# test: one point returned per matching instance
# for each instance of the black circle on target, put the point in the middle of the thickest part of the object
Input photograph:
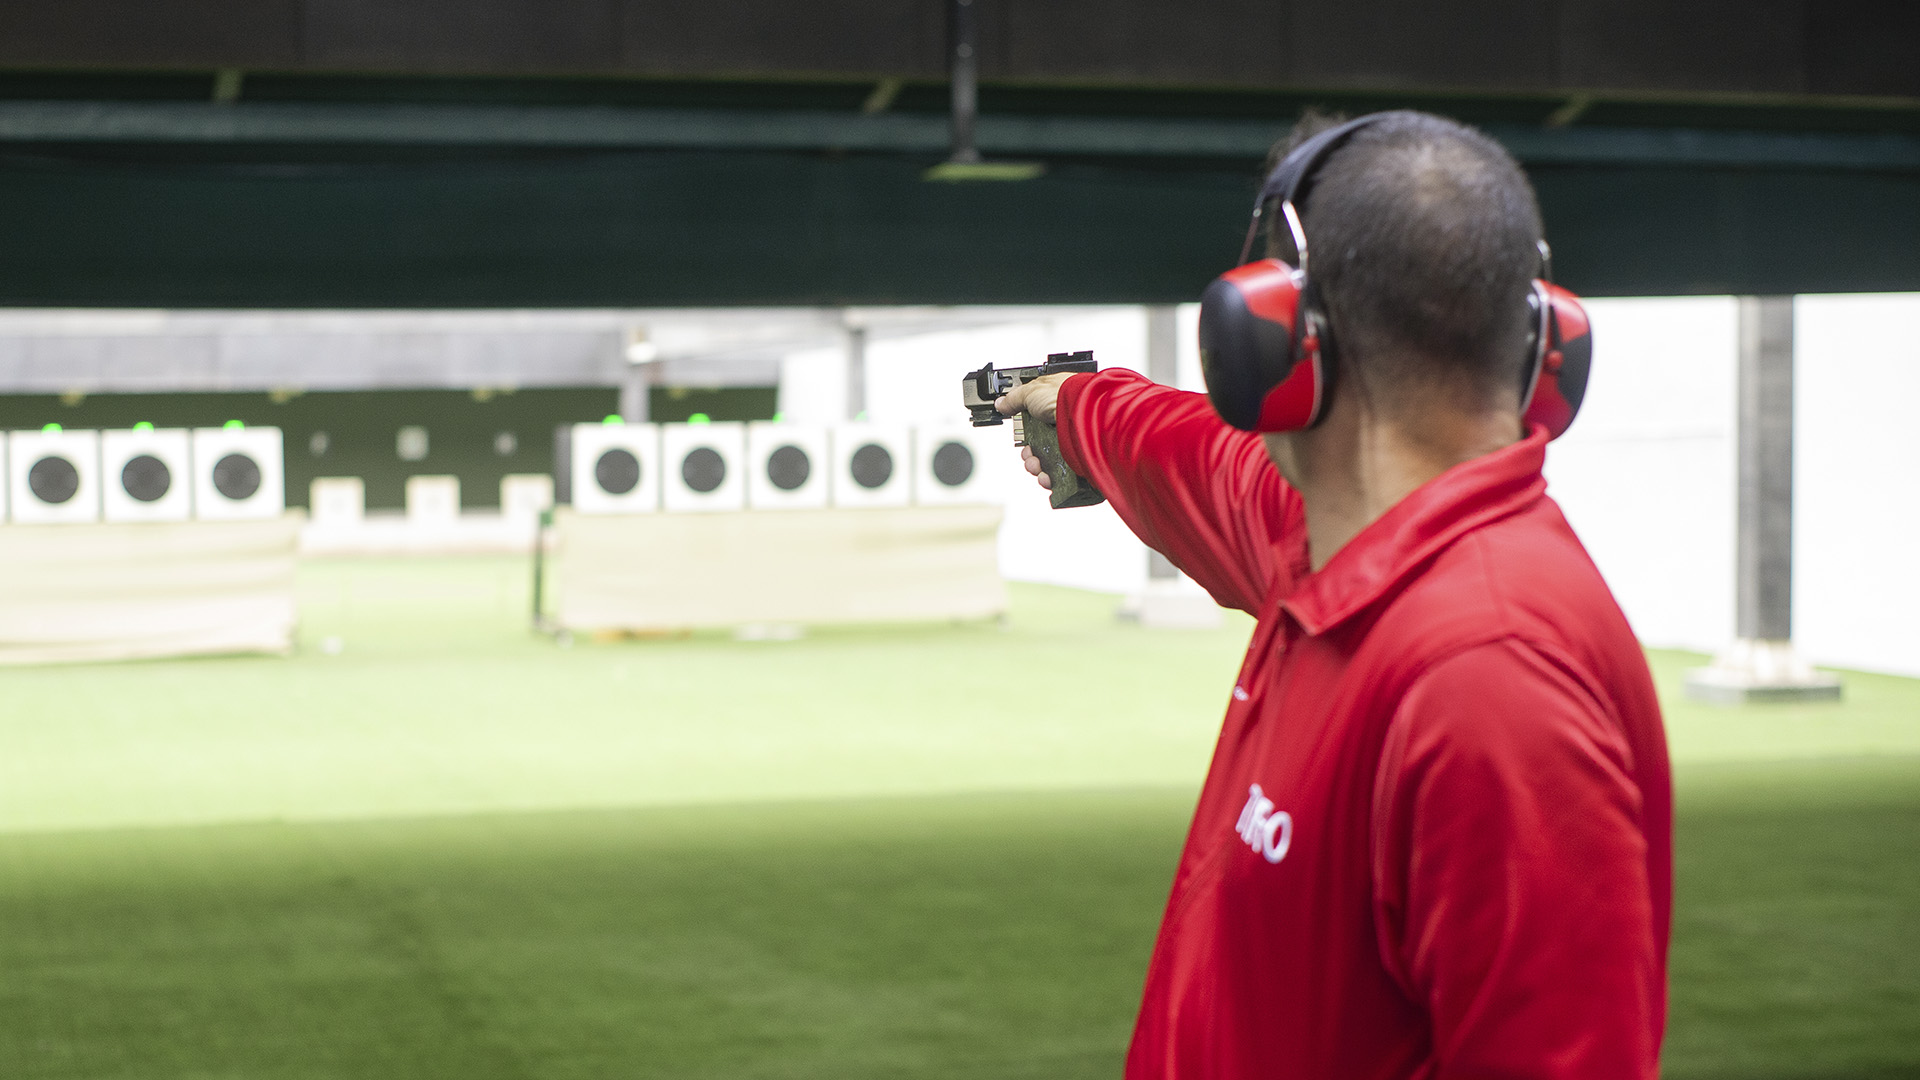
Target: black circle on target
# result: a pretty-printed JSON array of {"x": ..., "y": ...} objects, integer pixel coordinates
[
  {"x": 871, "y": 466},
  {"x": 617, "y": 471},
  {"x": 953, "y": 464},
  {"x": 236, "y": 476},
  {"x": 788, "y": 467},
  {"x": 53, "y": 480},
  {"x": 703, "y": 469},
  {"x": 146, "y": 478}
]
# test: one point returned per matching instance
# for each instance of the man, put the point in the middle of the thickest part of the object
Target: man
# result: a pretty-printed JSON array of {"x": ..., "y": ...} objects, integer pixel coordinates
[{"x": 1434, "y": 841}]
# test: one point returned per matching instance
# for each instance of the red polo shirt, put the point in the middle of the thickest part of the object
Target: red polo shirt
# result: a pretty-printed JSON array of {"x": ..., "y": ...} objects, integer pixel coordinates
[{"x": 1435, "y": 840}]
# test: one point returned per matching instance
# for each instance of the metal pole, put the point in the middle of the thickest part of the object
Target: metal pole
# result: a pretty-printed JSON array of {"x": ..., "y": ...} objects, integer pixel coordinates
[
  {"x": 563, "y": 464},
  {"x": 963, "y": 27},
  {"x": 540, "y": 569}
]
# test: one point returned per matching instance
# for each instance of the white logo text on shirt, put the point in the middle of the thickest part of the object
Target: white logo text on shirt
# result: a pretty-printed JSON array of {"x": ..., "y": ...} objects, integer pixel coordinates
[{"x": 1267, "y": 831}]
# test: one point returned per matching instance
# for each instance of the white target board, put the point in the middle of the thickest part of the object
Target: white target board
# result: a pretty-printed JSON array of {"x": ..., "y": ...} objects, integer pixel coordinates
[
  {"x": 337, "y": 501},
  {"x": 53, "y": 476},
  {"x": 704, "y": 466},
  {"x": 872, "y": 465},
  {"x": 146, "y": 474},
  {"x": 238, "y": 474},
  {"x": 788, "y": 466},
  {"x": 616, "y": 468},
  {"x": 950, "y": 464}
]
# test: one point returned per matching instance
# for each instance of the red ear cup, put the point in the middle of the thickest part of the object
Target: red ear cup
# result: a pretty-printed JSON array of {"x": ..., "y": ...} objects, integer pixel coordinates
[
  {"x": 1563, "y": 358},
  {"x": 1264, "y": 371}
]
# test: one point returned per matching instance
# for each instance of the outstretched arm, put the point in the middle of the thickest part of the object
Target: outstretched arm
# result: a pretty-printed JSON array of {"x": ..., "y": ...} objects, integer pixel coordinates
[{"x": 1194, "y": 489}]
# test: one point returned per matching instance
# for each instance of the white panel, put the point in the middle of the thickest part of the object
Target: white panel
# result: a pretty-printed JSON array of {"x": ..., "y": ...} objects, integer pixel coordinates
[
  {"x": 337, "y": 500},
  {"x": 1646, "y": 474},
  {"x": 789, "y": 466},
  {"x": 4, "y": 484},
  {"x": 433, "y": 500},
  {"x": 813, "y": 385},
  {"x": 605, "y": 459},
  {"x": 1856, "y": 482},
  {"x": 873, "y": 464},
  {"x": 949, "y": 465},
  {"x": 238, "y": 473},
  {"x": 146, "y": 475},
  {"x": 523, "y": 496},
  {"x": 68, "y": 470},
  {"x": 713, "y": 457}
]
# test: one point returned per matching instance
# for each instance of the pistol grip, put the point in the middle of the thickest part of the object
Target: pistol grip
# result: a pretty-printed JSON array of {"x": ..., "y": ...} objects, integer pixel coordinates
[{"x": 1069, "y": 488}]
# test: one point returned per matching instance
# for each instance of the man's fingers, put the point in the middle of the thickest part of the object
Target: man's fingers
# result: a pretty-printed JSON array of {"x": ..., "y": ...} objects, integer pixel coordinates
[
  {"x": 1032, "y": 462},
  {"x": 1013, "y": 400},
  {"x": 1037, "y": 397}
]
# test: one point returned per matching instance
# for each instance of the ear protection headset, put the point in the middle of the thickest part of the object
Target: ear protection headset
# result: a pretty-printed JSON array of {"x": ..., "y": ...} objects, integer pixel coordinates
[{"x": 1267, "y": 349}]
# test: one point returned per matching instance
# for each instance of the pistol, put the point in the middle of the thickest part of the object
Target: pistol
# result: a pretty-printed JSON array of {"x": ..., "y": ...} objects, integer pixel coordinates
[{"x": 981, "y": 389}]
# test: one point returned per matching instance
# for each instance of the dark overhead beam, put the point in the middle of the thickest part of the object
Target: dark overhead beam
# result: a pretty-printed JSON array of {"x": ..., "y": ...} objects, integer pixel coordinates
[
  {"x": 645, "y": 228},
  {"x": 1697, "y": 46},
  {"x": 39, "y": 122}
]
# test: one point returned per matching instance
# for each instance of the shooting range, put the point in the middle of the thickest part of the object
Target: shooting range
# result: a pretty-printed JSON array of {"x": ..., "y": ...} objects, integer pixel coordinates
[{"x": 496, "y": 577}]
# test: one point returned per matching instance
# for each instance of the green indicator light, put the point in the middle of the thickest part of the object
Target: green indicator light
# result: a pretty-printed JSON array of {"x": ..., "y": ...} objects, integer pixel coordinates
[
  {"x": 699, "y": 418},
  {"x": 143, "y": 426},
  {"x": 233, "y": 425},
  {"x": 613, "y": 420},
  {"x": 51, "y": 429},
  {"x": 779, "y": 418},
  {"x": 862, "y": 415}
]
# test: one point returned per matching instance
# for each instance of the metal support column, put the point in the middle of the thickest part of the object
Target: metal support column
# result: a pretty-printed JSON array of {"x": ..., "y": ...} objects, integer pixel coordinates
[
  {"x": 634, "y": 393},
  {"x": 1763, "y": 543},
  {"x": 1163, "y": 367},
  {"x": 1762, "y": 665},
  {"x": 856, "y": 372}
]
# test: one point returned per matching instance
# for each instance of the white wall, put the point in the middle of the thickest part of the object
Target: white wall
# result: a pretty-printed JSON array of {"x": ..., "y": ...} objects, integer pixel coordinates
[
  {"x": 917, "y": 380},
  {"x": 1646, "y": 473},
  {"x": 1646, "y": 476},
  {"x": 1856, "y": 525}
]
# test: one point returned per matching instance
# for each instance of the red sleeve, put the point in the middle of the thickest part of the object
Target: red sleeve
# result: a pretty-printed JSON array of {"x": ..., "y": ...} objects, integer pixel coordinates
[
  {"x": 1195, "y": 490},
  {"x": 1510, "y": 873}
]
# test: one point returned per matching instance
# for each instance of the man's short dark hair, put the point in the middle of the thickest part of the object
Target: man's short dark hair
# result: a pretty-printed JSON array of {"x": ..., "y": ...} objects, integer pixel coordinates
[{"x": 1422, "y": 244}]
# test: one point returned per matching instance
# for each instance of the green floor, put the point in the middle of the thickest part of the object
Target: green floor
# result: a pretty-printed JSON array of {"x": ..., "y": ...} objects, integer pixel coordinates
[{"x": 456, "y": 850}]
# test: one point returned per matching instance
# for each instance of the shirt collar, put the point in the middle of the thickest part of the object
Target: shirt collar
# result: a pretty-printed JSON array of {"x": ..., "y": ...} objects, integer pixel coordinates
[{"x": 1465, "y": 497}]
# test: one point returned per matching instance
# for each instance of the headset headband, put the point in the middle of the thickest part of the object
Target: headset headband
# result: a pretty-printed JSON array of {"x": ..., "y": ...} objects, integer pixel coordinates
[{"x": 1289, "y": 179}]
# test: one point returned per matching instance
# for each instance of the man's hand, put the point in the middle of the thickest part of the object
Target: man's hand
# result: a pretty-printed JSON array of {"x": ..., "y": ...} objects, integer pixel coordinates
[{"x": 1040, "y": 398}]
